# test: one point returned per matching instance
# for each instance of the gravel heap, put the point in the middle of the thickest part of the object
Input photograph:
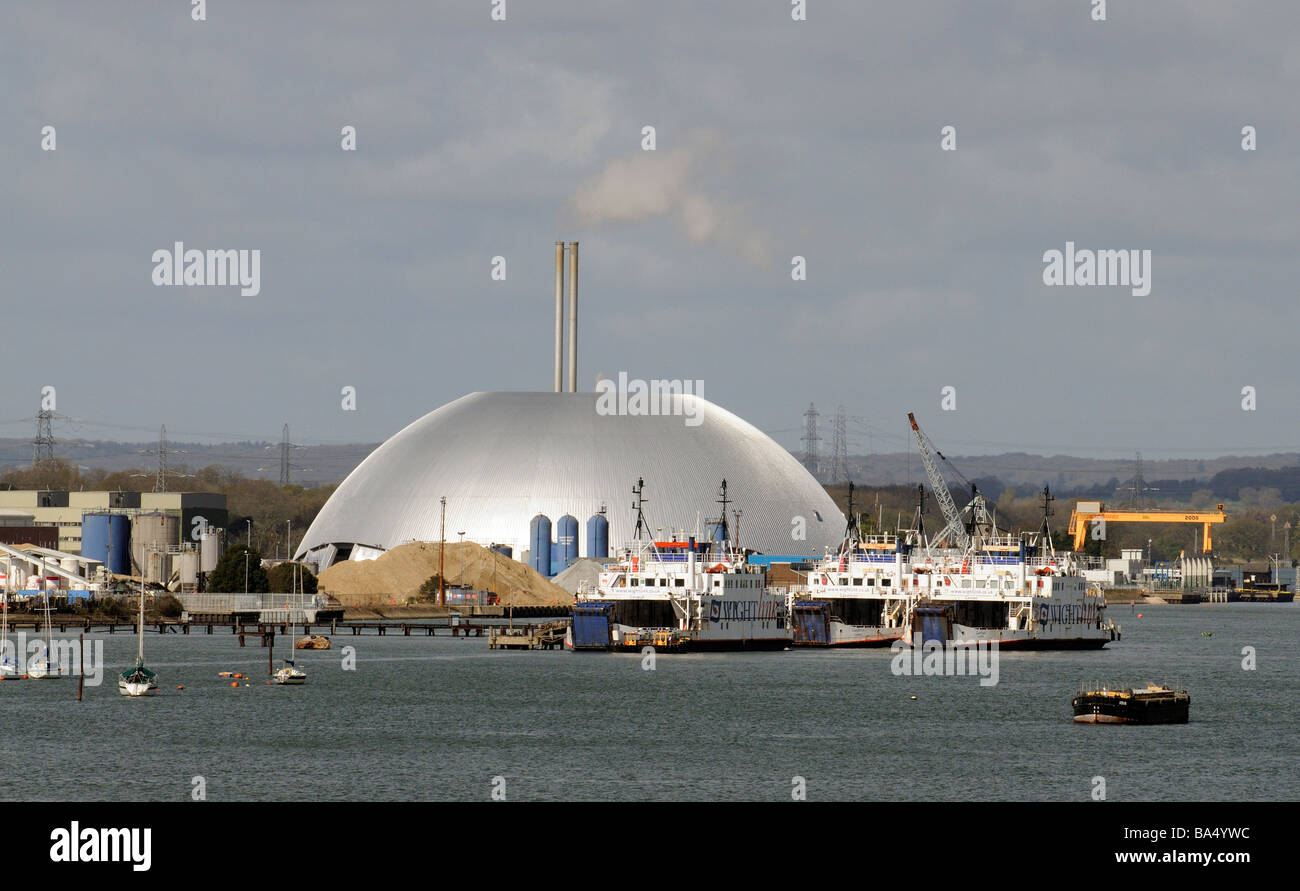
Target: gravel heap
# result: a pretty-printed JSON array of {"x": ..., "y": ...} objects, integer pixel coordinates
[{"x": 397, "y": 575}]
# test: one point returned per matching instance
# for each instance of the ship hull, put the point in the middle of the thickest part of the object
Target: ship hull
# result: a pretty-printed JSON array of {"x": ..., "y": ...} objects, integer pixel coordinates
[
  {"x": 1091, "y": 708},
  {"x": 841, "y": 634}
]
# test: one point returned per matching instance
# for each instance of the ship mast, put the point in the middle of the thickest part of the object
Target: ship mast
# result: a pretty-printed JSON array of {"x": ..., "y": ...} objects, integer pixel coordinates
[
  {"x": 639, "y": 491},
  {"x": 724, "y": 501}
]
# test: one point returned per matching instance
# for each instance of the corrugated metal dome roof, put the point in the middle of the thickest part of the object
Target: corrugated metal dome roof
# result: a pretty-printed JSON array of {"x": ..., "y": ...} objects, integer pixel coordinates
[{"x": 502, "y": 458}]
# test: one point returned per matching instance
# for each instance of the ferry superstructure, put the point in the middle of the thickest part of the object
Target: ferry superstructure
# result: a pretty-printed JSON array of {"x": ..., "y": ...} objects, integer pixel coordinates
[{"x": 678, "y": 595}]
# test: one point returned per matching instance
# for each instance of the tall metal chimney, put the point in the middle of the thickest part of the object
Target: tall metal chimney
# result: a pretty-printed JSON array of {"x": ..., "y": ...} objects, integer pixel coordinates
[
  {"x": 573, "y": 317},
  {"x": 559, "y": 315}
]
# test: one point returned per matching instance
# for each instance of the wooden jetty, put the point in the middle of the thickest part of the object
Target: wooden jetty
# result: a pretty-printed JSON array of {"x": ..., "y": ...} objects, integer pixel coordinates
[{"x": 535, "y": 637}]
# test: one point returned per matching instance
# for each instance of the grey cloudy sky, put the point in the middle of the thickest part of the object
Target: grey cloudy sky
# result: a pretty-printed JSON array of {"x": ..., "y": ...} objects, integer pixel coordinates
[{"x": 775, "y": 138}]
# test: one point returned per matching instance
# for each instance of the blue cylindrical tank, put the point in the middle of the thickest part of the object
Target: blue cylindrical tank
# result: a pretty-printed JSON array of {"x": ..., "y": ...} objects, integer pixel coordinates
[
  {"x": 539, "y": 543},
  {"x": 566, "y": 540},
  {"x": 504, "y": 549},
  {"x": 107, "y": 538},
  {"x": 598, "y": 537}
]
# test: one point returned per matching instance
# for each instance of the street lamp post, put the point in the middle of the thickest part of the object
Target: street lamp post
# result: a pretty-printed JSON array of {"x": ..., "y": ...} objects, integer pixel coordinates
[{"x": 460, "y": 568}]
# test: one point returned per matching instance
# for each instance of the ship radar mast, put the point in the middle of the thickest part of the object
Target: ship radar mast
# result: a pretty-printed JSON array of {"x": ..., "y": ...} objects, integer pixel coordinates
[
  {"x": 724, "y": 501},
  {"x": 852, "y": 529},
  {"x": 639, "y": 491},
  {"x": 1046, "y": 546}
]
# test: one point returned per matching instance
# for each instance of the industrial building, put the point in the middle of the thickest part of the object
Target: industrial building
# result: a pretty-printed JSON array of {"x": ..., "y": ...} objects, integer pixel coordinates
[
  {"x": 514, "y": 467},
  {"x": 503, "y": 459},
  {"x": 154, "y": 534}
]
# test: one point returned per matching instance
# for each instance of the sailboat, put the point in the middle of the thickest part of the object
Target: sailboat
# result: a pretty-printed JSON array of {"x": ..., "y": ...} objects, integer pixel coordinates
[
  {"x": 8, "y": 664},
  {"x": 44, "y": 667},
  {"x": 138, "y": 681},
  {"x": 290, "y": 673}
]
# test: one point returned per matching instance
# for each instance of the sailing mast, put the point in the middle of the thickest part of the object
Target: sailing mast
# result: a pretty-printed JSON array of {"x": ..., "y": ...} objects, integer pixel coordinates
[{"x": 139, "y": 636}]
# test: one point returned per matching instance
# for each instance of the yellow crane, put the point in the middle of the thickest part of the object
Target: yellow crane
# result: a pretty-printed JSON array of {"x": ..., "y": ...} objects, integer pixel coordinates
[{"x": 1086, "y": 512}]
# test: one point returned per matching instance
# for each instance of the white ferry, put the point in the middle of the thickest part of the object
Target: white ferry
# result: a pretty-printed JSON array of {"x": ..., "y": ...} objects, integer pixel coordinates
[
  {"x": 1004, "y": 593},
  {"x": 680, "y": 595},
  {"x": 884, "y": 589},
  {"x": 856, "y": 598}
]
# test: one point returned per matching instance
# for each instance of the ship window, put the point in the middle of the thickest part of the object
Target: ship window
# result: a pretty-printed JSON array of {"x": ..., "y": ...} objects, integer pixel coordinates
[
  {"x": 884, "y": 582},
  {"x": 871, "y": 583},
  {"x": 857, "y": 581},
  {"x": 679, "y": 583},
  {"x": 844, "y": 580},
  {"x": 635, "y": 582},
  {"x": 717, "y": 583},
  {"x": 663, "y": 583},
  {"x": 965, "y": 583}
]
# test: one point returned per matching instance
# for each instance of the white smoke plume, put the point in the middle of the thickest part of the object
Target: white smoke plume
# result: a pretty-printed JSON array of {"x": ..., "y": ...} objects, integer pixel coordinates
[{"x": 675, "y": 184}]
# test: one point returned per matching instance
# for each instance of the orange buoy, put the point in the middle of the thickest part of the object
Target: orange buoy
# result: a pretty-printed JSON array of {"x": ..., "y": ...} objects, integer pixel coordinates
[
  {"x": 234, "y": 683},
  {"x": 1139, "y": 615},
  {"x": 179, "y": 687}
]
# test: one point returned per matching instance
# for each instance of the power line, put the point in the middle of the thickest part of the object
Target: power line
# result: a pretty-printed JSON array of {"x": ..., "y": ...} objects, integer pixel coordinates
[
  {"x": 43, "y": 444},
  {"x": 284, "y": 457},
  {"x": 160, "y": 484},
  {"x": 810, "y": 439}
]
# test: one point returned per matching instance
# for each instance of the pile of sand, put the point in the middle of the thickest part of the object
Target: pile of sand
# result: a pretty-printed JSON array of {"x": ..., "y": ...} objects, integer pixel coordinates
[
  {"x": 579, "y": 571},
  {"x": 398, "y": 574}
]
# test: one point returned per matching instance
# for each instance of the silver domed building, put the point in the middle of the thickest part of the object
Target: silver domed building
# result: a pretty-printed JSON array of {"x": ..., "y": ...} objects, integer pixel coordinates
[{"x": 501, "y": 459}]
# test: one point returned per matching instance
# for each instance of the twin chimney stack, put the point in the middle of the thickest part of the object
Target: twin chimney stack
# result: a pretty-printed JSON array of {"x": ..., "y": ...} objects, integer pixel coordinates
[{"x": 572, "y": 248}]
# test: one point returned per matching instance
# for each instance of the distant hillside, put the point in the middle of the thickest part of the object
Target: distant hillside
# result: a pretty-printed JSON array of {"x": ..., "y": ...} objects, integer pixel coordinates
[
  {"x": 1107, "y": 479},
  {"x": 309, "y": 465},
  {"x": 1064, "y": 473}
]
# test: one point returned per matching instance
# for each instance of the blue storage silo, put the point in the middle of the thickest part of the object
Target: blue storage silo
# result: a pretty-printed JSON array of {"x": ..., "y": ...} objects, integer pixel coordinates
[
  {"x": 539, "y": 543},
  {"x": 566, "y": 541},
  {"x": 107, "y": 538},
  {"x": 598, "y": 537},
  {"x": 503, "y": 549}
]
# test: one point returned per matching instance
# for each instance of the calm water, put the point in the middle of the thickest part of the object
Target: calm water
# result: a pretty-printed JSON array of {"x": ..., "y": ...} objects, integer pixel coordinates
[{"x": 438, "y": 718}]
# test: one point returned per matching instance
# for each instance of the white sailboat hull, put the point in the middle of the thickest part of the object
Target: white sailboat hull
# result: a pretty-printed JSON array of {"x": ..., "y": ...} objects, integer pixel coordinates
[
  {"x": 43, "y": 671},
  {"x": 131, "y": 689},
  {"x": 290, "y": 676}
]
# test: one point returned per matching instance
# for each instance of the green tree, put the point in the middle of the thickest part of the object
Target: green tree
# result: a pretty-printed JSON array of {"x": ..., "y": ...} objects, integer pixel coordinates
[
  {"x": 228, "y": 577},
  {"x": 280, "y": 579},
  {"x": 428, "y": 590}
]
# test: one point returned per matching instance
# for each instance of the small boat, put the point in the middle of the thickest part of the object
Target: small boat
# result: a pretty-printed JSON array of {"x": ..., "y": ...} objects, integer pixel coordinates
[
  {"x": 312, "y": 642},
  {"x": 138, "y": 680},
  {"x": 290, "y": 674},
  {"x": 44, "y": 667},
  {"x": 9, "y": 668},
  {"x": 1131, "y": 705}
]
